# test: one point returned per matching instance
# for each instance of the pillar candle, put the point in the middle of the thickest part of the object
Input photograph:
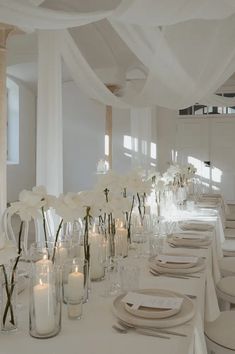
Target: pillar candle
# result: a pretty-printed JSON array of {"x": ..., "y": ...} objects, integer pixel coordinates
[
  {"x": 62, "y": 254},
  {"x": 75, "y": 286},
  {"x": 122, "y": 243},
  {"x": 96, "y": 256},
  {"x": 44, "y": 308}
]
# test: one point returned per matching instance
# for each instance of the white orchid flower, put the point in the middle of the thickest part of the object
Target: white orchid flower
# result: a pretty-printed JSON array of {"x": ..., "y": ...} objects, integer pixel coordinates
[
  {"x": 93, "y": 200},
  {"x": 110, "y": 181},
  {"x": 25, "y": 211},
  {"x": 41, "y": 192},
  {"x": 68, "y": 207}
]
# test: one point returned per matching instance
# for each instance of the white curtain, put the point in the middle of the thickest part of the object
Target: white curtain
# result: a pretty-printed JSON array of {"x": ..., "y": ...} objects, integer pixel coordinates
[{"x": 49, "y": 170}]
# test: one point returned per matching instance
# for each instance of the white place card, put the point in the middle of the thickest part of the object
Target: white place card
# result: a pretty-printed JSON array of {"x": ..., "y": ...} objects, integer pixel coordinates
[
  {"x": 137, "y": 300},
  {"x": 177, "y": 259}
]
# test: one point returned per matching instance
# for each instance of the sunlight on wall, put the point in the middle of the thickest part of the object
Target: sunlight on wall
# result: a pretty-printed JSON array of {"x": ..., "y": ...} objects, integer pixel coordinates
[
  {"x": 216, "y": 175},
  {"x": 130, "y": 143},
  {"x": 209, "y": 175},
  {"x": 153, "y": 151},
  {"x": 174, "y": 155},
  {"x": 140, "y": 149},
  {"x": 106, "y": 145}
]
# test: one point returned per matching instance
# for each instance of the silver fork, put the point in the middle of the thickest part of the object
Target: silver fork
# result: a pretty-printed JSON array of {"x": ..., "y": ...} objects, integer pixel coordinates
[
  {"x": 144, "y": 331},
  {"x": 168, "y": 275},
  {"x": 126, "y": 326}
]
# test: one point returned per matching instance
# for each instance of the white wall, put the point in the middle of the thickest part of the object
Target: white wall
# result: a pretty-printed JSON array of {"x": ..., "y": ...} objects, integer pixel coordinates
[
  {"x": 22, "y": 175},
  {"x": 83, "y": 134}
]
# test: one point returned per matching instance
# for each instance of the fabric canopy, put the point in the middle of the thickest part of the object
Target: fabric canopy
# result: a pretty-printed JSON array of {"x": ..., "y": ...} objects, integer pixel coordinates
[
  {"x": 25, "y": 13},
  {"x": 186, "y": 47},
  {"x": 168, "y": 12},
  {"x": 28, "y": 16}
]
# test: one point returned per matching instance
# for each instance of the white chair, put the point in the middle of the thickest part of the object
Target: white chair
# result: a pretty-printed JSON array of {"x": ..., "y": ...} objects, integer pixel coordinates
[
  {"x": 229, "y": 233},
  {"x": 230, "y": 224},
  {"x": 220, "y": 334},
  {"x": 28, "y": 235},
  {"x": 225, "y": 290},
  {"x": 9, "y": 230},
  {"x": 227, "y": 266},
  {"x": 228, "y": 247}
]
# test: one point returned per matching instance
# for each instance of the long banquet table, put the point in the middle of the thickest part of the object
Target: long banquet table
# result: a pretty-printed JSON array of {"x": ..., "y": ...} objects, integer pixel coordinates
[{"x": 93, "y": 334}]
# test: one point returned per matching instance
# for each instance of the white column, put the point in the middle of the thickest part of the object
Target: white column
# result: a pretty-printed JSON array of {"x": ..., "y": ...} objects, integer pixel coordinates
[
  {"x": 5, "y": 30},
  {"x": 49, "y": 170}
]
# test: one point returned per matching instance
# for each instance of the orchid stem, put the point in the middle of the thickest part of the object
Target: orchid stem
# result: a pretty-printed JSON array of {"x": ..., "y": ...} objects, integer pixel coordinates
[{"x": 56, "y": 239}]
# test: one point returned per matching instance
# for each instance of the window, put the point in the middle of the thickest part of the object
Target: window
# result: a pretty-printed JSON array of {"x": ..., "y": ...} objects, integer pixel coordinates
[{"x": 198, "y": 109}]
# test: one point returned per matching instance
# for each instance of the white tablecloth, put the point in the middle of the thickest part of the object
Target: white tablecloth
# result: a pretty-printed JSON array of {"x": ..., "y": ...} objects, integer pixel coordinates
[{"x": 94, "y": 334}]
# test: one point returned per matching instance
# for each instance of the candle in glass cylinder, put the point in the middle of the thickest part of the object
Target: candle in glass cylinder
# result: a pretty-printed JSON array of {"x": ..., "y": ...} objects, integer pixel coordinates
[
  {"x": 96, "y": 256},
  {"x": 122, "y": 243},
  {"x": 75, "y": 286},
  {"x": 44, "y": 264},
  {"x": 44, "y": 308},
  {"x": 62, "y": 254}
]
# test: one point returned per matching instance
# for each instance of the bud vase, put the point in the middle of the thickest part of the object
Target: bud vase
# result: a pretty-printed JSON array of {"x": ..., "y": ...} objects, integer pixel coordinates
[{"x": 9, "y": 296}]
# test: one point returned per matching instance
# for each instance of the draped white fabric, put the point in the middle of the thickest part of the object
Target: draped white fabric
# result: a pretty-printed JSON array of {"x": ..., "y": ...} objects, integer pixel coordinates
[
  {"x": 82, "y": 73},
  {"x": 187, "y": 47},
  {"x": 186, "y": 62},
  {"x": 49, "y": 115},
  {"x": 168, "y": 12},
  {"x": 27, "y": 16}
]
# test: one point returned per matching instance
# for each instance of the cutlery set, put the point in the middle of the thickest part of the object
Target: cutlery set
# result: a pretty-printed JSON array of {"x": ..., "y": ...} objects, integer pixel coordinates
[{"x": 123, "y": 328}]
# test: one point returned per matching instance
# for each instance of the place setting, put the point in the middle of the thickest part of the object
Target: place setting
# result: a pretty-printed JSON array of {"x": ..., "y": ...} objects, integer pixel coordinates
[
  {"x": 152, "y": 312},
  {"x": 176, "y": 266},
  {"x": 189, "y": 239},
  {"x": 195, "y": 225}
]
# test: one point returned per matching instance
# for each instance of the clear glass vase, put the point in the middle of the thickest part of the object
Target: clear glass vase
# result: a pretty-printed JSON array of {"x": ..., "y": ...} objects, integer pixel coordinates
[
  {"x": 9, "y": 297},
  {"x": 75, "y": 286},
  {"x": 45, "y": 300},
  {"x": 98, "y": 255},
  {"x": 79, "y": 266}
]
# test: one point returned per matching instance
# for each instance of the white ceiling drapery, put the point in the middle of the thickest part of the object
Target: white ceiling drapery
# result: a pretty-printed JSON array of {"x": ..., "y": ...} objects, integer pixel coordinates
[
  {"x": 187, "y": 58},
  {"x": 30, "y": 17},
  {"x": 162, "y": 13}
]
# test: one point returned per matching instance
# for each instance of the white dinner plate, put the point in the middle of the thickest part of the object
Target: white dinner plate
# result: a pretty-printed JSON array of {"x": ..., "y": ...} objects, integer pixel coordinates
[
  {"x": 200, "y": 265},
  {"x": 177, "y": 241},
  {"x": 175, "y": 265},
  {"x": 153, "y": 313},
  {"x": 185, "y": 314},
  {"x": 193, "y": 225}
]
